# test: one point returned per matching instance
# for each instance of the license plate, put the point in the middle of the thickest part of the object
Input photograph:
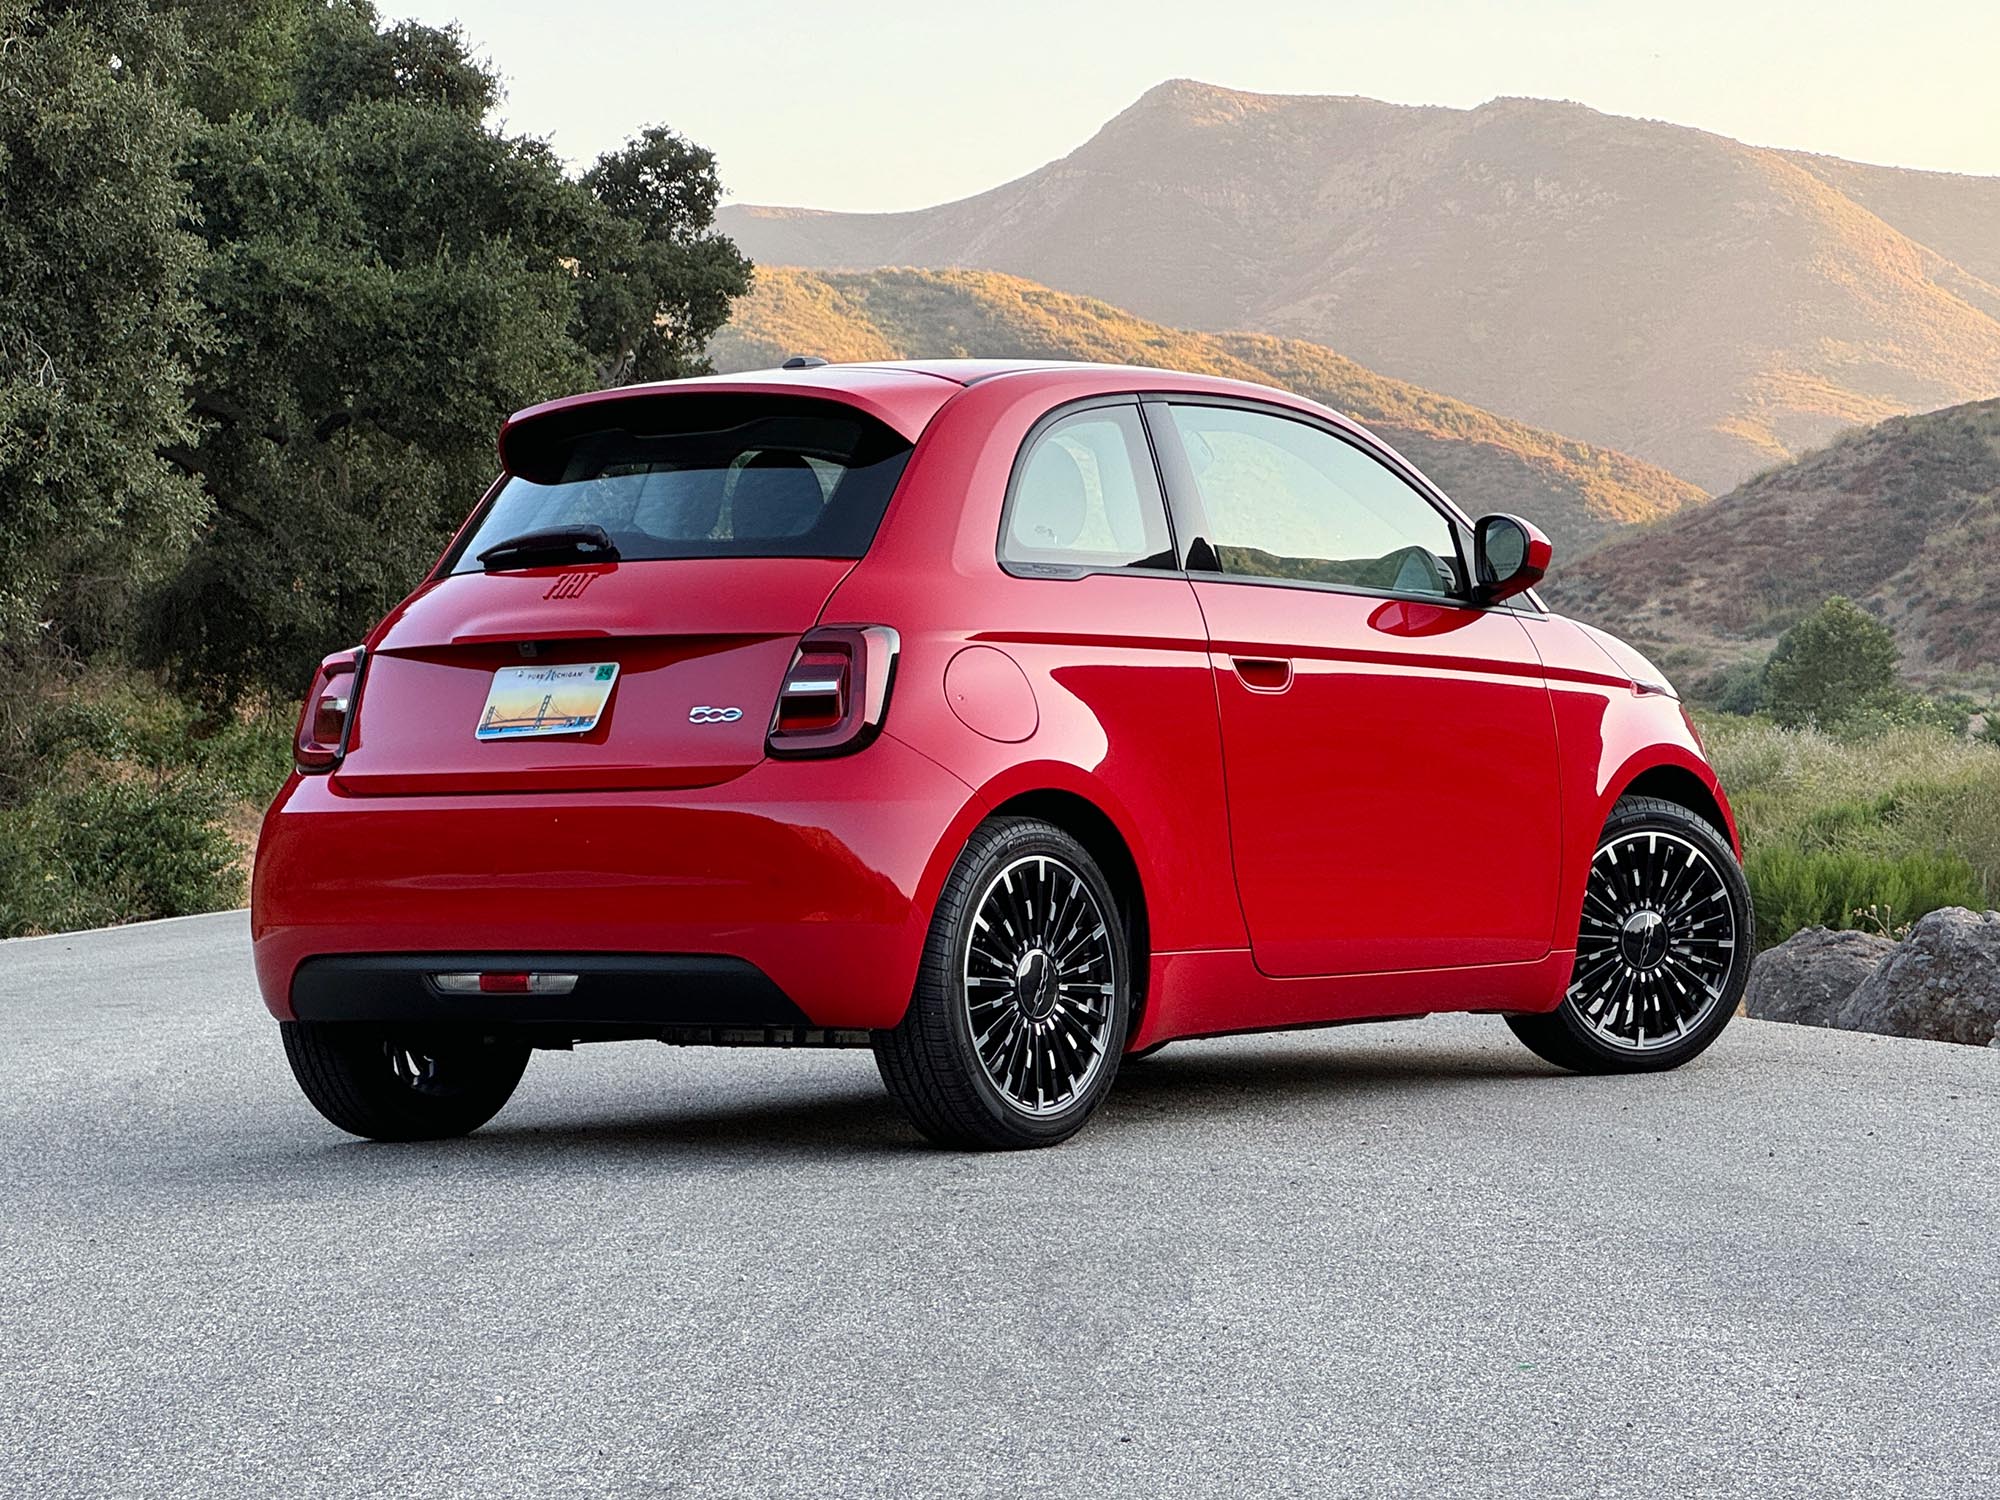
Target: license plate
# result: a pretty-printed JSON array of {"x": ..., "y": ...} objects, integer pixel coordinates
[{"x": 526, "y": 702}]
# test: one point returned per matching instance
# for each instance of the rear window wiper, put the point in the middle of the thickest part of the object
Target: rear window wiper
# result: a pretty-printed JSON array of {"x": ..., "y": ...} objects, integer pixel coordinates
[{"x": 586, "y": 543}]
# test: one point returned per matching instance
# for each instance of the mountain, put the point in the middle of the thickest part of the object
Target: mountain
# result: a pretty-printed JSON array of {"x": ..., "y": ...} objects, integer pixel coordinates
[
  {"x": 1711, "y": 306},
  {"x": 1575, "y": 492},
  {"x": 1903, "y": 517}
]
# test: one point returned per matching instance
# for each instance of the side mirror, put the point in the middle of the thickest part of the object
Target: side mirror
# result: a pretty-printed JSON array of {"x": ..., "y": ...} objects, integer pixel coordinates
[{"x": 1509, "y": 556}]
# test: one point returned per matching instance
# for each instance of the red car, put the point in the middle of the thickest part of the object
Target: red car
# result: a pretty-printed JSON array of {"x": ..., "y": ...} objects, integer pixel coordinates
[{"x": 1010, "y": 719}]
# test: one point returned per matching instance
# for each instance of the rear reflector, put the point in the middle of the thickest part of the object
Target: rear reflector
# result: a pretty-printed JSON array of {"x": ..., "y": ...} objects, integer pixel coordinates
[
  {"x": 492, "y": 983},
  {"x": 836, "y": 693}
]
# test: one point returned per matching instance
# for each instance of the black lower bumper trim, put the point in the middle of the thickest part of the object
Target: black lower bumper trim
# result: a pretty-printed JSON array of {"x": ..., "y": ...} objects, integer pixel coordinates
[{"x": 643, "y": 992}]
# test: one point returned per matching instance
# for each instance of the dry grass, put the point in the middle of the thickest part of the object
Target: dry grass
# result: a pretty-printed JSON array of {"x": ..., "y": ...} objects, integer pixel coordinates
[
  {"x": 1906, "y": 809},
  {"x": 1787, "y": 772}
]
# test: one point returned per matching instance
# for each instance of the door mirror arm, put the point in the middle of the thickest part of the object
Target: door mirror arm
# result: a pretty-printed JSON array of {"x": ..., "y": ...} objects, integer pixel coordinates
[{"x": 1509, "y": 557}]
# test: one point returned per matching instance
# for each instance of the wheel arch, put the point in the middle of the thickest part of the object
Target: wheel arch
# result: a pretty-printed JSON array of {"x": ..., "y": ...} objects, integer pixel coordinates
[
  {"x": 1653, "y": 766},
  {"x": 1091, "y": 826},
  {"x": 1682, "y": 786}
]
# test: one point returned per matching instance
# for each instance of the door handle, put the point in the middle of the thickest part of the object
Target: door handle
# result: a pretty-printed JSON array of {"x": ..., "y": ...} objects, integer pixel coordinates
[{"x": 1263, "y": 674}]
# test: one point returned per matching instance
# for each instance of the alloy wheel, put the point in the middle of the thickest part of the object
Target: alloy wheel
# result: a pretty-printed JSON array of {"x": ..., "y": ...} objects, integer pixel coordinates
[
  {"x": 1040, "y": 978},
  {"x": 412, "y": 1066},
  {"x": 1657, "y": 944}
]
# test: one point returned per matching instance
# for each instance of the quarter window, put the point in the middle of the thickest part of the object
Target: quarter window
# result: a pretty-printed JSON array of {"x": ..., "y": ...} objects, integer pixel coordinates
[
  {"x": 1086, "y": 496},
  {"x": 1288, "y": 500}
]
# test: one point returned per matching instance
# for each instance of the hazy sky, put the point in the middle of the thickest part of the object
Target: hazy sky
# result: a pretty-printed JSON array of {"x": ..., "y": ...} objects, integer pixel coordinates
[{"x": 877, "y": 104}]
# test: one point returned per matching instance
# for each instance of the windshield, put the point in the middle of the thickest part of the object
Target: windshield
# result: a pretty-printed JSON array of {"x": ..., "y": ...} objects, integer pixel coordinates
[{"x": 777, "y": 482}]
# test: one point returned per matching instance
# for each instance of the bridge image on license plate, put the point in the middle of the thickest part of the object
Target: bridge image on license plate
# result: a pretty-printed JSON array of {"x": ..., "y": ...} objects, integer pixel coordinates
[{"x": 527, "y": 702}]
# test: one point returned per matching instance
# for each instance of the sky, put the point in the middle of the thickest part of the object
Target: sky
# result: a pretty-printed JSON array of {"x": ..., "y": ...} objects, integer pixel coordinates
[{"x": 888, "y": 104}]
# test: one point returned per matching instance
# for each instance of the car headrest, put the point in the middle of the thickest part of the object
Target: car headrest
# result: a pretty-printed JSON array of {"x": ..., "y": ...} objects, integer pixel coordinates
[
  {"x": 682, "y": 504},
  {"x": 1053, "y": 501},
  {"x": 777, "y": 494}
]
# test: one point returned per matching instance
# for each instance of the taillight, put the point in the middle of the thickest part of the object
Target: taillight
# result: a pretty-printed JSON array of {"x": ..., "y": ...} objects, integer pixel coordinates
[
  {"x": 836, "y": 691},
  {"x": 326, "y": 722}
]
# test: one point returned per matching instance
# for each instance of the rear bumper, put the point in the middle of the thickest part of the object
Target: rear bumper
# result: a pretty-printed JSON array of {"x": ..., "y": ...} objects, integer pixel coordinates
[
  {"x": 610, "y": 989},
  {"x": 796, "y": 895}
]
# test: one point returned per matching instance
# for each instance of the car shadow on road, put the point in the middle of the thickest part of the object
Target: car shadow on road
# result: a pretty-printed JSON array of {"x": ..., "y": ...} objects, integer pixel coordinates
[
  {"x": 815, "y": 1119},
  {"x": 841, "y": 1120},
  {"x": 1196, "y": 1076},
  {"x": 851, "y": 1123}
]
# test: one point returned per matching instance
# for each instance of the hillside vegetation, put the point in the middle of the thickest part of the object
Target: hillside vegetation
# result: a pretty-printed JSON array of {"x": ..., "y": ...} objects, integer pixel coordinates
[
  {"x": 1576, "y": 492},
  {"x": 270, "y": 280},
  {"x": 1707, "y": 305},
  {"x": 1866, "y": 831},
  {"x": 1903, "y": 517}
]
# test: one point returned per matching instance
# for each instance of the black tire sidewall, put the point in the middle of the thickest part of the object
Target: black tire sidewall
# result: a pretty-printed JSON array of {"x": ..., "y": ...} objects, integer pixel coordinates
[
  {"x": 952, "y": 931},
  {"x": 343, "y": 1070},
  {"x": 1644, "y": 815}
]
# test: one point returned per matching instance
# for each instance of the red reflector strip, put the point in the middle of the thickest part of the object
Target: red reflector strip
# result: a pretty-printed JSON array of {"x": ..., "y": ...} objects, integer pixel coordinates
[{"x": 498, "y": 982}]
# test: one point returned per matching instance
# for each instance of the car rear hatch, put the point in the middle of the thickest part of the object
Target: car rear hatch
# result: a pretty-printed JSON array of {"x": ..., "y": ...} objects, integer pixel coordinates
[
  {"x": 676, "y": 547},
  {"x": 700, "y": 648}
]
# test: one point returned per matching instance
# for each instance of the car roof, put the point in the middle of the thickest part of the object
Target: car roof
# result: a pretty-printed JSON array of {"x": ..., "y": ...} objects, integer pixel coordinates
[
  {"x": 1062, "y": 372},
  {"x": 906, "y": 394}
]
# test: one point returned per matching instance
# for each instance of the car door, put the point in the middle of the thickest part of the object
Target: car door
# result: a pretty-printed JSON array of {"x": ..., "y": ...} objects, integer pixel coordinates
[{"x": 1390, "y": 750}]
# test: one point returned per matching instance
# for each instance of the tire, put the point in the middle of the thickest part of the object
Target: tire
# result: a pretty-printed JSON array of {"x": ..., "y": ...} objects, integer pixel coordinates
[
  {"x": 1633, "y": 976},
  {"x": 395, "y": 1084},
  {"x": 998, "y": 1050}
]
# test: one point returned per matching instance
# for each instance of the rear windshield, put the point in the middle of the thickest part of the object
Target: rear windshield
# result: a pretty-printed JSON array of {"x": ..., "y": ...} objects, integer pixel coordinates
[{"x": 701, "y": 478}]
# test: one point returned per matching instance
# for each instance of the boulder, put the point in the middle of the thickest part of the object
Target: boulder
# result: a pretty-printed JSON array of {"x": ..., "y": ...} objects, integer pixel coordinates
[
  {"x": 1941, "y": 982},
  {"x": 1808, "y": 977}
]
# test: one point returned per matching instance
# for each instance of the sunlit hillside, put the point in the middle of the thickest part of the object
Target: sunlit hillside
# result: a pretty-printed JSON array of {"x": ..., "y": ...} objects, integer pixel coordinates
[
  {"x": 1708, "y": 305},
  {"x": 1577, "y": 492},
  {"x": 1903, "y": 516}
]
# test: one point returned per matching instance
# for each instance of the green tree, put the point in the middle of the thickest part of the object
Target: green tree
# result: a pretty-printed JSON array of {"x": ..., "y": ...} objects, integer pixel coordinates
[
  {"x": 97, "y": 317},
  {"x": 247, "y": 52},
  {"x": 662, "y": 279},
  {"x": 1835, "y": 663},
  {"x": 389, "y": 277}
]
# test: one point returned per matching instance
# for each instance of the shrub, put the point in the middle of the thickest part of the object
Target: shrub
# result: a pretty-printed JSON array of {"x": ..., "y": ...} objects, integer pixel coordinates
[
  {"x": 117, "y": 851},
  {"x": 120, "y": 801},
  {"x": 1737, "y": 689},
  {"x": 250, "y": 755},
  {"x": 1836, "y": 662},
  {"x": 1900, "y": 710},
  {"x": 1795, "y": 888}
]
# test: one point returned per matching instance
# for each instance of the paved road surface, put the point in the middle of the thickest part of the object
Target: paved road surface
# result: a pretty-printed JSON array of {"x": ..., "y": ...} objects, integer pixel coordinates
[{"x": 1383, "y": 1260}]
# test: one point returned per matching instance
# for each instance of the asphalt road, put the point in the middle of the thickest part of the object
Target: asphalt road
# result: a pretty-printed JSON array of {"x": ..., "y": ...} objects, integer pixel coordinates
[{"x": 1381, "y": 1260}]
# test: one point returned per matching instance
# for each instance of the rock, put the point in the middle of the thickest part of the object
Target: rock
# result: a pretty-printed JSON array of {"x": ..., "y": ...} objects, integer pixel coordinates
[
  {"x": 1807, "y": 977},
  {"x": 1941, "y": 982}
]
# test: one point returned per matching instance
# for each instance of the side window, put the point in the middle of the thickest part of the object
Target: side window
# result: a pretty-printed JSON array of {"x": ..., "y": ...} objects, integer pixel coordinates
[
  {"x": 1289, "y": 500},
  {"x": 1086, "y": 496}
]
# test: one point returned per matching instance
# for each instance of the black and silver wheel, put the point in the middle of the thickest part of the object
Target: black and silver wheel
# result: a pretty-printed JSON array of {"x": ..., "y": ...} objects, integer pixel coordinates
[
  {"x": 1663, "y": 948},
  {"x": 398, "y": 1084},
  {"x": 1015, "y": 1030}
]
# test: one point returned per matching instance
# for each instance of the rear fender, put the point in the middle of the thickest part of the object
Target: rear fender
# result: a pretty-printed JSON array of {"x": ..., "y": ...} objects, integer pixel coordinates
[{"x": 1032, "y": 779}]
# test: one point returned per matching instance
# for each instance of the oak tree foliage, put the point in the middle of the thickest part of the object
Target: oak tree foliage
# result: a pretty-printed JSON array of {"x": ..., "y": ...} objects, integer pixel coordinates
[
  {"x": 269, "y": 280},
  {"x": 98, "y": 320}
]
